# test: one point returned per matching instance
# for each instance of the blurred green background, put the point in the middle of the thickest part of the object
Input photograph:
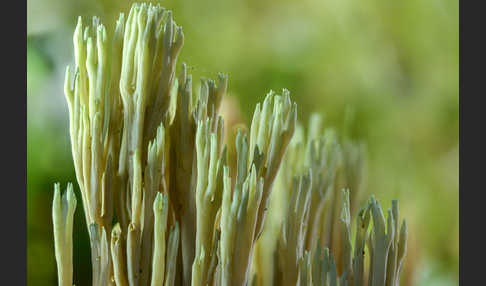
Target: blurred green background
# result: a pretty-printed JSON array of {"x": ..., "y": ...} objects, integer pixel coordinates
[{"x": 394, "y": 62}]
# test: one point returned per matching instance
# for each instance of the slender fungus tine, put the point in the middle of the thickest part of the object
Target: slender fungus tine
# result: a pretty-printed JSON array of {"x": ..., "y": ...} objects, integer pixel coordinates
[{"x": 63, "y": 208}]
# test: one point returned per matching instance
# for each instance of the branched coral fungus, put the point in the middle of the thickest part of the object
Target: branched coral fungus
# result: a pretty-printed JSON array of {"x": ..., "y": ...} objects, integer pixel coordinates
[{"x": 150, "y": 155}]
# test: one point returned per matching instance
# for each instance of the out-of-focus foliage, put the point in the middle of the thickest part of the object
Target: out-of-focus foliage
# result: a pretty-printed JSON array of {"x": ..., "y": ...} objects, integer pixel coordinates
[{"x": 394, "y": 63}]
